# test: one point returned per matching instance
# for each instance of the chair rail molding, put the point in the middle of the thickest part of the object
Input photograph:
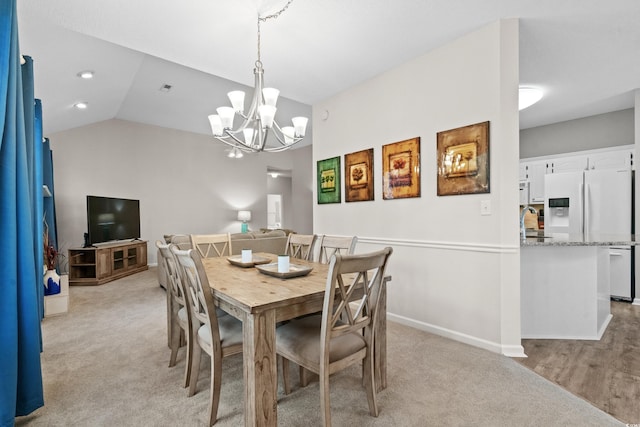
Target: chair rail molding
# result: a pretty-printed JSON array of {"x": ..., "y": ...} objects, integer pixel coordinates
[{"x": 434, "y": 244}]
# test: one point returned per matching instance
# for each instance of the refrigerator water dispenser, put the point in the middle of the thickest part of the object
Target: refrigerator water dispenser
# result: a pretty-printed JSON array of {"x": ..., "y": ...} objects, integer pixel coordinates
[{"x": 558, "y": 212}]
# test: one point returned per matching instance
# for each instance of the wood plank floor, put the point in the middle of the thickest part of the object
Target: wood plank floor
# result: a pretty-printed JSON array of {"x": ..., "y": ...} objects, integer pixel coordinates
[{"x": 605, "y": 373}]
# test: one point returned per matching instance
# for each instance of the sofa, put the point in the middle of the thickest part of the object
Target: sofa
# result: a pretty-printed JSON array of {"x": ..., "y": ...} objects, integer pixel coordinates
[{"x": 271, "y": 241}]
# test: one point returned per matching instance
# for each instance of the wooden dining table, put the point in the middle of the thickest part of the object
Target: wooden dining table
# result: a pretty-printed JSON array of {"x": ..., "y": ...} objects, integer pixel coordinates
[{"x": 261, "y": 301}]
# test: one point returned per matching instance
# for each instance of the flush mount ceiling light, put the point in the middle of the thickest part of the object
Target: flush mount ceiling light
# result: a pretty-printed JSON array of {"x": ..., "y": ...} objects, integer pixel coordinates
[
  {"x": 87, "y": 74},
  {"x": 81, "y": 105},
  {"x": 259, "y": 122},
  {"x": 528, "y": 96}
]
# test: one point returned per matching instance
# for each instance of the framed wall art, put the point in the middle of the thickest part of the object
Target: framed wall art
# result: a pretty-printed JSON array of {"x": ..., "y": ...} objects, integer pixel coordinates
[
  {"x": 358, "y": 176},
  {"x": 329, "y": 180},
  {"x": 463, "y": 160},
  {"x": 401, "y": 169}
]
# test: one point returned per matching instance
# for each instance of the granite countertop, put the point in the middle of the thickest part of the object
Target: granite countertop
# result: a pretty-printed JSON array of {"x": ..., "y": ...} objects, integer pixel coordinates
[{"x": 540, "y": 238}]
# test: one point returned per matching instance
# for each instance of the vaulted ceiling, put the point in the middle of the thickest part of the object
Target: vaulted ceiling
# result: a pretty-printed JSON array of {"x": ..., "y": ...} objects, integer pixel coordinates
[{"x": 585, "y": 54}]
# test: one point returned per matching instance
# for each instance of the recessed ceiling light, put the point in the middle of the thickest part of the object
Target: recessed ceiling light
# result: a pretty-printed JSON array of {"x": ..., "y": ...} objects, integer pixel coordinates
[
  {"x": 81, "y": 105},
  {"x": 528, "y": 96},
  {"x": 87, "y": 74}
]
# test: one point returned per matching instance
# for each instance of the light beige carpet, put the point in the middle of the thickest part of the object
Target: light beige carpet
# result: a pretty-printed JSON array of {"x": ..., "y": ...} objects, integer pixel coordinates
[{"x": 105, "y": 364}]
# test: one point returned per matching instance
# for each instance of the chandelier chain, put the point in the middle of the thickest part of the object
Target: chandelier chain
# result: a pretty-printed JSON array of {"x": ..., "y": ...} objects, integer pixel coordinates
[{"x": 263, "y": 19}]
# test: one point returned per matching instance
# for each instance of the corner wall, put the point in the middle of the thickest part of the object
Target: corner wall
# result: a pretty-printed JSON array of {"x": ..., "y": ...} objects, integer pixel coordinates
[
  {"x": 184, "y": 181},
  {"x": 455, "y": 272}
]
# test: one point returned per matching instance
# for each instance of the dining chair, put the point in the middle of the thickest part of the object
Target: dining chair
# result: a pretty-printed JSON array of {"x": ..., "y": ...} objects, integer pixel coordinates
[
  {"x": 179, "y": 322},
  {"x": 330, "y": 245},
  {"x": 211, "y": 245},
  {"x": 341, "y": 336},
  {"x": 217, "y": 336},
  {"x": 300, "y": 246}
]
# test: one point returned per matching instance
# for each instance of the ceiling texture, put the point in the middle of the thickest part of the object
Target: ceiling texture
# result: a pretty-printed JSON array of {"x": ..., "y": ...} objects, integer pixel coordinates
[{"x": 585, "y": 54}]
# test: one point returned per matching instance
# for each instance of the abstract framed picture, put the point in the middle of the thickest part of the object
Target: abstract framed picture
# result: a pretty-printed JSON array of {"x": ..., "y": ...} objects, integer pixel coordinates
[
  {"x": 329, "y": 180},
  {"x": 463, "y": 160},
  {"x": 358, "y": 176},
  {"x": 401, "y": 169}
]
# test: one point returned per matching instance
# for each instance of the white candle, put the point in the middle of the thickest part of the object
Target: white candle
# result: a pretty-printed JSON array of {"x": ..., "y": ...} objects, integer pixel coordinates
[
  {"x": 246, "y": 255},
  {"x": 283, "y": 263}
]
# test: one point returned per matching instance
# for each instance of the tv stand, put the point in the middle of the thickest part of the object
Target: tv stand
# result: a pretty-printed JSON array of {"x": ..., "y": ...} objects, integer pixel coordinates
[{"x": 102, "y": 264}]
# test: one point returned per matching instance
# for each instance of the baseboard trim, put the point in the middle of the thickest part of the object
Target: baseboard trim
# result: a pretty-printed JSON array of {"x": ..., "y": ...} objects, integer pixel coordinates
[
  {"x": 595, "y": 337},
  {"x": 506, "y": 350},
  {"x": 433, "y": 244},
  {"x": 636, "y": 301}
]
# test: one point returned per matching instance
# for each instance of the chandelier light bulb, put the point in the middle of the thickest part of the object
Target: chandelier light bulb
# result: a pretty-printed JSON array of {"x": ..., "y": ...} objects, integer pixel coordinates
[
  {"x": 237, "y": 100},
  {"x": 270, "y": 96},
  {"x": 288, "y": 132},
  {"x": 248, "y": 135},
  {"x": 300, "y": 125},
  {"x": 216, "y": 124},
  {"x": 226, "y": 116},
  {"x": 267, "y": 114}
]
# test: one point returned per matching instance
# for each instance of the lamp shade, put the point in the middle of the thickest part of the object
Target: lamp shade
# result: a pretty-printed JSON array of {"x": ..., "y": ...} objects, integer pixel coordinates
[{"x": 244, "y": 216}]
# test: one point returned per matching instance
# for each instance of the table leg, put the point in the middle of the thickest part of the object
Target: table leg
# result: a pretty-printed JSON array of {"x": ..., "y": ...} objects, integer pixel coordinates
[{"x": 260, "y": 369}]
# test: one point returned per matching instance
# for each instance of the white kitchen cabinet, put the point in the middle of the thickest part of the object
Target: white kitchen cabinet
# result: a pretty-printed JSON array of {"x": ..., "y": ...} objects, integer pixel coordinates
[
  {"x": 523, "y": 171},
  {"x": 536, "y": 171},
  {"x": 618, "y": 159},
  {"x": 574, "y": 163}
]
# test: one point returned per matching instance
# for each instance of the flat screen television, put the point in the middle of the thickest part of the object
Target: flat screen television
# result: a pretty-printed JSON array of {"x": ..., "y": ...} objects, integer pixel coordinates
[{"x": 109, "y": 219}]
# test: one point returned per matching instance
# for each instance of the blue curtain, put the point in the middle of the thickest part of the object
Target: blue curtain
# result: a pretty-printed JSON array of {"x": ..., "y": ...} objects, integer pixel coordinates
[
  {"x": 21, "y": 244},
  {"x": 47, "y": 179}
]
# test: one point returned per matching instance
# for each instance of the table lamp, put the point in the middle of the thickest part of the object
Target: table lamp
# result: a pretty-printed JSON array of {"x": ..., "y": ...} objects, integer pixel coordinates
[{"x": 244, "y": 216}]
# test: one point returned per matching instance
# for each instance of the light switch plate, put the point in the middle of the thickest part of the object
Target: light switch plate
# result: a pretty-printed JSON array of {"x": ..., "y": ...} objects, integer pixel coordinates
[{"x": 485, "y": 207}]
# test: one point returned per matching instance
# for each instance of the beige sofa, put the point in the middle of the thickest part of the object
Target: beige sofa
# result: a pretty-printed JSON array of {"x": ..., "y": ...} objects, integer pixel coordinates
[{"x": 272, "y": 241}]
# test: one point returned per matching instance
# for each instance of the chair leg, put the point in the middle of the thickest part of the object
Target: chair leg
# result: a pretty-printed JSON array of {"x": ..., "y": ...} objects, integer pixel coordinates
[
  {"x": 369, "y": 383},
  {"x": 325, "y": 404},
  {"x": 195, "y": 368},
  {"x": 188, "y": 366},
  {"x": 285, "y": 375},
  {"x": 216, "y": 382},
  {"x": 170, "y": 323},
  {"x": 176, "y": 332}
]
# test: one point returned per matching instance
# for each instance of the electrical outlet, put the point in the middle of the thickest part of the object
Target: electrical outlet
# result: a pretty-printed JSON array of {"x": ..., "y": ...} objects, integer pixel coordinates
[{"x": 485, "y": 207}]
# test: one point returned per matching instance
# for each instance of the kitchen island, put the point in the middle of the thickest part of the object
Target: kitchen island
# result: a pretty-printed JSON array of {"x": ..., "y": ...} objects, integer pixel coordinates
[{"x": 564, "y": 284}]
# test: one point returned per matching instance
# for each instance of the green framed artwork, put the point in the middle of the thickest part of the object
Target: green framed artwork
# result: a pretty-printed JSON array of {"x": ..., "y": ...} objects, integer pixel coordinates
[{"x": 329, "y": 180}]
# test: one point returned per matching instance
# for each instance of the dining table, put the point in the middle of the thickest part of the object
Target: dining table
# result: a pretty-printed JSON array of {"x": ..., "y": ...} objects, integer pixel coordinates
[{"x": 262, "y": 301}]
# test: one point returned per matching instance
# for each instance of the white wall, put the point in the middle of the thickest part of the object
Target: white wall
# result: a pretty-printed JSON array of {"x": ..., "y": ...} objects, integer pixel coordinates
[
  {"x": 184, "y": 181},
  {"x": 455, "y": 272},
  {"x": 600, "y": 131}
]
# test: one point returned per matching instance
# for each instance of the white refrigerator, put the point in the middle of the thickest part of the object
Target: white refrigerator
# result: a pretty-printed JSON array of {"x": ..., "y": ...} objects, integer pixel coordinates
[{"x": 595, "y": 202}]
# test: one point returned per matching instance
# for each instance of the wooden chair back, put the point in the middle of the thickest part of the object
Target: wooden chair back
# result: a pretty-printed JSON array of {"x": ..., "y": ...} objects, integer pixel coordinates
[
  {"x": 207, "y": 335},
  {"x": 300, "y": 246},
  {"x": 211, "y": 245},
  {"x": 199, "y": 293},
  {"x": 348, "y": 276},
  {"x": 175, "y": 283},
  {"x": 331, "y": 245},
  {"x": 182, "y": 241}
]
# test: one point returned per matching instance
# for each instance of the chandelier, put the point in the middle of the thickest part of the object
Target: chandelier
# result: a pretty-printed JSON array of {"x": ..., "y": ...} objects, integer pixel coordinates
[{"x": 259, "y": 121}]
